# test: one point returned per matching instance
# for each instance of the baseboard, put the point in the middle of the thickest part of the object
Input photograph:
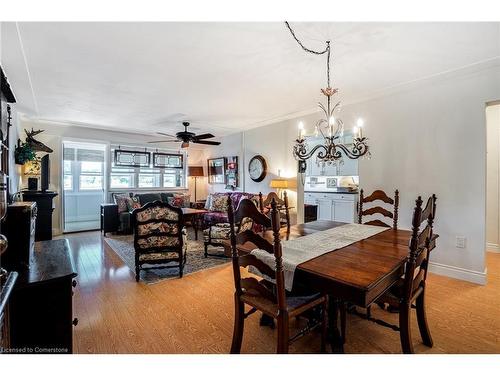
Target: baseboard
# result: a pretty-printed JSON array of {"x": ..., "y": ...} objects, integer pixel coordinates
[
  {"x": 492, "y": 247},
  {"x": 458, "y": 273}
]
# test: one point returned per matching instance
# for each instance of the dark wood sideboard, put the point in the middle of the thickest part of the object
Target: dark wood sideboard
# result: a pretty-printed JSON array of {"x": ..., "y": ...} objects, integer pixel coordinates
[
  {"x": 19, "y": 227},
  {"x": 44, "y": 202},
  {"x": 7, "y": 282},
  {"x": 41, "y": 305}
]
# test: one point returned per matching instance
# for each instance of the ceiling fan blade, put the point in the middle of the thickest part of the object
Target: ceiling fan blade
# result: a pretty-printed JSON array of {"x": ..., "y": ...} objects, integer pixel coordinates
[
  {"x": 167, "y": 135},
  {"x": 203, "y": 136},
  {"x": 207, "y": 142},
  {"x": 168, "y": 140}
]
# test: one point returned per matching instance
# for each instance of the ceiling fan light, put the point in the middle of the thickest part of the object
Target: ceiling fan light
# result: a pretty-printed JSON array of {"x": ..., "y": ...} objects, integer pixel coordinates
[{"x": 185, "y": 144}]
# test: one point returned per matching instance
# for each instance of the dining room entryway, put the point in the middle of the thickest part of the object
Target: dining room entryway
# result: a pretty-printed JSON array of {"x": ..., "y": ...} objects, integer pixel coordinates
[{"x": 492, "y": 176}]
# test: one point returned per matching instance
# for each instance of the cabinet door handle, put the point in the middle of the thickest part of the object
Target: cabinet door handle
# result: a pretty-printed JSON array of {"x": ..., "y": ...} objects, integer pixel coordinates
[{"x": 75, "y": 321}]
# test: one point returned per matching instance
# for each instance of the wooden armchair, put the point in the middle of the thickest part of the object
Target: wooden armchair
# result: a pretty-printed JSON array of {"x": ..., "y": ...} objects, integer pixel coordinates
[
  {"x": 409, "y": 290},
  {"x": 379, "y": 195},
  {"x": 159, "y": 237},
  {"x": 267, "y": 295},
  {"x": 281, "y": 204}
]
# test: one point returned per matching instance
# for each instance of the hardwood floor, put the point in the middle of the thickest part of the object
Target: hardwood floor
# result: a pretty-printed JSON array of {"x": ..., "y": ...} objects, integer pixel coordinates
[{"x": 195, "y": 314}]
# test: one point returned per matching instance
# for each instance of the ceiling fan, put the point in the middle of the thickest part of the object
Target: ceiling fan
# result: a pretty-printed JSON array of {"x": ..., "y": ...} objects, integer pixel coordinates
[{"x": 187, "y": 137}]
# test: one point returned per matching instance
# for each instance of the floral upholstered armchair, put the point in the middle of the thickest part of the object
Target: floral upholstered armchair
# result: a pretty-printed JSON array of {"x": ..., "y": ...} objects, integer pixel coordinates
[
  {"x": 159, "y": 237},
  {"x": 216, "y": 222}
]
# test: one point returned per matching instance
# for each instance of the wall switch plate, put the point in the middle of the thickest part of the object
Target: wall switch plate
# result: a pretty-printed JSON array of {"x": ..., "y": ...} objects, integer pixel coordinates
[{"x": 460, "y": 242}]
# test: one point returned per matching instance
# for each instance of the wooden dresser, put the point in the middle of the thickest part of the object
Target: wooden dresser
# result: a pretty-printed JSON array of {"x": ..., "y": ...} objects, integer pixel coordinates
[
  {"x": 41, "y": 306},
  {"x": 19, "y": 227}
]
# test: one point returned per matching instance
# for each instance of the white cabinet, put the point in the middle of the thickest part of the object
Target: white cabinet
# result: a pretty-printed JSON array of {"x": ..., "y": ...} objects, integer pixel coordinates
[
  {"x": 334, "y": 206},
  {"x": 325, "y": 208},
  {"x": 344, "y": 211}
]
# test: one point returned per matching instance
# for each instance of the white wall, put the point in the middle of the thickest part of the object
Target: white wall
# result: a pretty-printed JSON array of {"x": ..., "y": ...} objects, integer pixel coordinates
[
  {"x": 273, "y": 143},
  {"x": 53, "y": 136},
  {"x": 425, "y": 137},
  {"x": 492, "y": 192}
]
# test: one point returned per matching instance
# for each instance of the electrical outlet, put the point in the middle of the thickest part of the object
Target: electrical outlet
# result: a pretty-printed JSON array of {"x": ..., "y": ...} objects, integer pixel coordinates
[{"x": 461, "y": 242}]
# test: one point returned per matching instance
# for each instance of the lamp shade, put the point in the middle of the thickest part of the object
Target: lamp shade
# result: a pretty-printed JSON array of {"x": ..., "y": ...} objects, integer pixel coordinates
[
  {"x": 32, "y": 168},
  {"x": 279, "y": 183},
  {"x": 195, "y": 171}
]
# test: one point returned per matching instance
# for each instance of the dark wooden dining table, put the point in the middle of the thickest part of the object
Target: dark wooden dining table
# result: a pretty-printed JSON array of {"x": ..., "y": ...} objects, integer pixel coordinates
[{"x": 358, "y": 273}]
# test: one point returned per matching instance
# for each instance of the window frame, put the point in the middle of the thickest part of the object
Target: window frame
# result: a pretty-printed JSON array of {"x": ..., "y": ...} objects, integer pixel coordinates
[{"x": 136, "y": 171}]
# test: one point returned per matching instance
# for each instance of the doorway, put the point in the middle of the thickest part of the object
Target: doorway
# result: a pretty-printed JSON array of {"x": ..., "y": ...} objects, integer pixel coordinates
[
  {"x": 493, "y": 177},
  {"x": 84, "y": 175}
]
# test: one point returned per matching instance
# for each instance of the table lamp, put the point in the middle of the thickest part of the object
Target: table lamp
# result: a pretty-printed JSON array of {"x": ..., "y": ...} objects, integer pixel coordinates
[
  {"x": 279, "y": 183},
  {"x": 195, "y": 171}
]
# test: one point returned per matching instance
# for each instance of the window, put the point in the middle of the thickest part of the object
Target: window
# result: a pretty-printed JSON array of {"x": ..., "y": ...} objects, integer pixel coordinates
[
  {"x": 83, "y": 167},
  {"x": 89, "y": 182},
  {"x": 119, "y": 180},
  {"x": 68, "y": 182},
  {"x": 171, "y": 175},
  {"x": 91, "y": 167},
  {"x": 68, "y": 175}
]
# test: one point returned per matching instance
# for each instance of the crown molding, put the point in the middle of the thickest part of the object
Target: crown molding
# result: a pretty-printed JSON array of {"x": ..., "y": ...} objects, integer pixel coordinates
[{"x": 476, "y": 67}]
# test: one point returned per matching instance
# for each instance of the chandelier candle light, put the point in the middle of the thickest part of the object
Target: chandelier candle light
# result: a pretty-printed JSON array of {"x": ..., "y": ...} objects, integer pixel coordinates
[{"x": 331, "y": 128}]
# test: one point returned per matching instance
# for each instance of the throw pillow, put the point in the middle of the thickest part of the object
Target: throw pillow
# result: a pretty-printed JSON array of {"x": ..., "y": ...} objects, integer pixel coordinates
[
  {"x": 179, "y": 200},
  {"x": 121, "y": 202},
  {"x": 133, "y": 203},
  {"x": 219, "y": 203}
]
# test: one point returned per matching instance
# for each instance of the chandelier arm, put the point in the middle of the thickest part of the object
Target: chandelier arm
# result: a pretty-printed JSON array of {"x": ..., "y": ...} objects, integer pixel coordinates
[
  {"x": 301, "y": 153},
  {"x": 359, "y": 149}
]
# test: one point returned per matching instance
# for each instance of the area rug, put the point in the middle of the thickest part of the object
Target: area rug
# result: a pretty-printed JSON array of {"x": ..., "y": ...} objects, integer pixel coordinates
[{"x": 123, "y": 246}]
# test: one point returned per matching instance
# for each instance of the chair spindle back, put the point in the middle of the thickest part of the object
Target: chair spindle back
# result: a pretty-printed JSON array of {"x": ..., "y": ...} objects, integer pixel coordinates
[
  {"x": 379, "y": 195},
  {"x": 250, "y": 285}
]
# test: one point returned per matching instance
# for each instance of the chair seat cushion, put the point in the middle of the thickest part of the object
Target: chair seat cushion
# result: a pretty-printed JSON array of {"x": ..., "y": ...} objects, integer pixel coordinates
[
  {"x": 271, "y": 308},
  {"x": 167, "y": 255},
  {"x": 218, "y": 232},
  {"x": 158, "y": 256}
]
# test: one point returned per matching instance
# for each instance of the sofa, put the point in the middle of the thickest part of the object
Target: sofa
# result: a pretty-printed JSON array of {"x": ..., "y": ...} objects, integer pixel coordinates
[{"x": 126, "y": 202}]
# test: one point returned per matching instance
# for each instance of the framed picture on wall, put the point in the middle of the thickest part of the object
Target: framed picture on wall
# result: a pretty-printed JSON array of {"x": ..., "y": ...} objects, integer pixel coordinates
[
  {"x": 216, "y": 171},
  {"x": 232, "y": 172}
]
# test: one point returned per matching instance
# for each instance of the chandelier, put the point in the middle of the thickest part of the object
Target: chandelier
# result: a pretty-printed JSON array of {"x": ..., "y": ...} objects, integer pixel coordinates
[{"x": 331, "y": 127}]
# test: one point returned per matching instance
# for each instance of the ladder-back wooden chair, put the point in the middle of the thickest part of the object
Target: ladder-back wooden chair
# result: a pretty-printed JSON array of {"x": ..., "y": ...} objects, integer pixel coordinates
[
  {"x": 409, "y": 291},
  {"x": 282, "y": 205},
  {"x": 268, "y": 296},
  {"x": 159, "y": 237},
  {"x": 379, "y": 195}
]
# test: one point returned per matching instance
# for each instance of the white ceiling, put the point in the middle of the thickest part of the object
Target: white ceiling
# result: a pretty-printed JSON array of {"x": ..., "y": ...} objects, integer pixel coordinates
[{"x": 224, "y": 77}]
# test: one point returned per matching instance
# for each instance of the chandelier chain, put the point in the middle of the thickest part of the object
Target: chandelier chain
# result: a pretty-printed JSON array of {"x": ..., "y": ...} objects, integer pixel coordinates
[{"x": 326, "y": 50}]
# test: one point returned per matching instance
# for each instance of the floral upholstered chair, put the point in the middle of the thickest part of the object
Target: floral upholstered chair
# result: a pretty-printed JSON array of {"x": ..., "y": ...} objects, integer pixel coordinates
[
  {"x": 159, "y": 237},
  {"x": 217, "y": 233}
]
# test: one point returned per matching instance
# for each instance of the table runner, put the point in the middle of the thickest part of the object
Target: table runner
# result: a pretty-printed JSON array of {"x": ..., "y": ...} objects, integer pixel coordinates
[{"x": 302, "y": 249}]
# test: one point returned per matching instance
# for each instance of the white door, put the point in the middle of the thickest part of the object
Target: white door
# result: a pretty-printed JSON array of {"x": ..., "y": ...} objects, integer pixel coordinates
[{"x": 84, "y": 184}]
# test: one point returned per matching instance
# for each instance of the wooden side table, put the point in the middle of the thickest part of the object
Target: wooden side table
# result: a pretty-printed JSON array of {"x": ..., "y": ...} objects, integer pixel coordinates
[
  {"x": 109, "y": 218},
  {"x": 192, "y": 215}
]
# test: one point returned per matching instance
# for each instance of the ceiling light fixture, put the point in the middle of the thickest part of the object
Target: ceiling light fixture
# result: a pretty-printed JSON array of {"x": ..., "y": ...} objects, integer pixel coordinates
[{"x": 331, "y": 127}]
